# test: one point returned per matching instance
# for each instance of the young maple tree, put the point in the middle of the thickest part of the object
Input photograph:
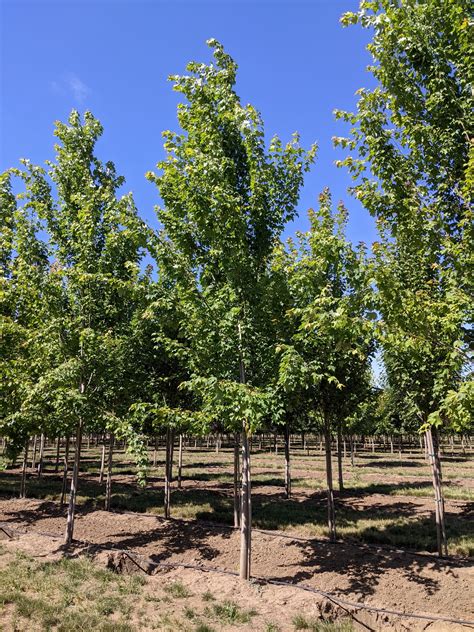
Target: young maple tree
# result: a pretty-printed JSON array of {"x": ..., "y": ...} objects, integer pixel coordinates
[
  {"x": 226, "y": 200},
  {"x": 413, "y": 141}
]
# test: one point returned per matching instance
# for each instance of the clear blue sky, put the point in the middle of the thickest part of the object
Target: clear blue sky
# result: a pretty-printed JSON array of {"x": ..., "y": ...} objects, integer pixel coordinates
[{"x": 296, "y": 64}]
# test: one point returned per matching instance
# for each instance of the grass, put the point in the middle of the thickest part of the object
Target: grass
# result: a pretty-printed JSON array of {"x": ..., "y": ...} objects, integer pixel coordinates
[
  {"x": 66, "y": 595},
  {"x": 178, "y": 590},
  {"x": 301, "y": 622},
  {"x": 229, "y": 612}
]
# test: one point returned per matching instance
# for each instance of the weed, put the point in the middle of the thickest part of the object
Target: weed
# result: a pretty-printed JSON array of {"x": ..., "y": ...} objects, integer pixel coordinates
[
  {"x": 208, "y": 596},
  {"x": 177, "y": 589},
  {"x": 189, "y": 613},
  {"x": 317, "y": 625},
  {"x": 203, "y": 627},
  {"x": 230, "y": 612}
]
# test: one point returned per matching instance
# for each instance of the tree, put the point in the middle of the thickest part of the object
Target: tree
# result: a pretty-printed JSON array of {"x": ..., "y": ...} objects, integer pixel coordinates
[
  {"x": 96, "y": 240},
  {"x": 413, "y": 139},
  {"x": 24, "y": 288},
  {"x": 226, "y": 201},
  {"x": 326, "y": 360}
]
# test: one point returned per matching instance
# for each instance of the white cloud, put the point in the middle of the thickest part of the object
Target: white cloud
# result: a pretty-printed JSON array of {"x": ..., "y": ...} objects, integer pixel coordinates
[
  {"x": 71, "y": 85},
  {"x": 78, "y": 88}
]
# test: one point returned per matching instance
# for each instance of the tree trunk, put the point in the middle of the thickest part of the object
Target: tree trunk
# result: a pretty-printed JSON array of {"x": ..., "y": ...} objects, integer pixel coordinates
[
  {"x": 155, "y": 451},
  {"x": 246, "y": 511},
  {"x": 58, "y": 450},
  {"x": 287, "y": 462},
  {"x": 66, "y": 464},
  {"x": 168, "y": 470},
  {"x": 432, "y": 445},
  {"x": 23, "y": 470},
  {"x": 330, "y": 492},
  {"x": 72, "y": 495},
  {"x": 339, "y": 460},
  {"x": 351, "y": 448},
  {"x": 41, "y": 456},
  {"x": 33, "y": 458},
  {"x": 180, "y": 460},
  {"x": 246, "y": 498},
  {"x": 171, "y": 455},
  {"x": 237, "y": 499},
  {"x": 102, "y": 465},
  {"x": 108, "y": 480}
]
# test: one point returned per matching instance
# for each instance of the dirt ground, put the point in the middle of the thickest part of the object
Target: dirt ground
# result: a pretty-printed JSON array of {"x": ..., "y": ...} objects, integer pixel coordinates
[
  {"x": 377, "y": 577},
  {"x": 386, "y": 506}
]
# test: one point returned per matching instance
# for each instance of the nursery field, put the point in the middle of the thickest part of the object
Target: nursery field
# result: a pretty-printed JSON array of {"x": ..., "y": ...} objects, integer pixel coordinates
[{"x": 386, "y": 506}]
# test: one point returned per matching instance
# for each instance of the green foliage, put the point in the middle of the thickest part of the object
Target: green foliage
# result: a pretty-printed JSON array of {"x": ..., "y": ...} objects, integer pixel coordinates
[
  {"x": 227, "y": 198},
  {"x": 412, "y": 140},
  {"x": 69, "y": 301},
  {"x": 325, "y": 360}
]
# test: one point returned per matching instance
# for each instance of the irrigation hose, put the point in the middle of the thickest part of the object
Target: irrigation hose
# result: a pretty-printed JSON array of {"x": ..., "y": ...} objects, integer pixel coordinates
[{"x": 330, "y": 596}]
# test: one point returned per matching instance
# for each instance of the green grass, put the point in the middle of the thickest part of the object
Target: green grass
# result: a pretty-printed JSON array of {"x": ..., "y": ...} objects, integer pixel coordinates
[
  {"x": 66, "y": 595},
  {"x": 301, "y": 622},
  {"x": 178, "y": 590},
  {"x": 229, "y": 612}
]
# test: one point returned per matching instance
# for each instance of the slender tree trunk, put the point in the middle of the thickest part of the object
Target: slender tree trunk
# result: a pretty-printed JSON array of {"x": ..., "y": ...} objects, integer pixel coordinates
[
  {"x": 168, "y": 470},
  {"x": 237, "y": 499},
  {"x": 66, "y": 464},
  {"x": 23, "y": 470},
  {"x": 171, "y": 455},
  {"x": 102, "y": 465},
  {"x": 180, "y": 460},
  {"x": 72, "y": 494},
  {"x": 108, "y": 480},
  {"x": 58, "y": 450},
  {"x": 155, "y": 451},
  {"x": 246, "y": 498},
  {"x": 33, "y": 458},
  {"x": 438, "y": 492},
  {"x": 351, "y": 448},
  {"x": 41, "y": 456},
  {"x": 339, "y": 460},
  {"x": 246, "y": 511},
  {"x": 330, "y": 492},
  {"x": 391, "y": 444},
  {"x": 287, "y": 462}
]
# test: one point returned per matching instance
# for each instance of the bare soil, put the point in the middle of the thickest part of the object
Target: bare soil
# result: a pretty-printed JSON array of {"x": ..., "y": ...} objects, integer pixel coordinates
[{"x": 358, "y": 573}]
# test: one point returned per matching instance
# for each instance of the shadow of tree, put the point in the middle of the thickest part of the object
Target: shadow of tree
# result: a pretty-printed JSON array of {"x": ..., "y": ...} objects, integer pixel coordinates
[
  {"x": 362, "y": 568},
  {"x": 393, "y": 463}
]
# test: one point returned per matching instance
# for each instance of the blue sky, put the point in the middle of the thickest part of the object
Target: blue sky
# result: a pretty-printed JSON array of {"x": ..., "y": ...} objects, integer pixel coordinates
[{"x": 113, "y": 57}]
